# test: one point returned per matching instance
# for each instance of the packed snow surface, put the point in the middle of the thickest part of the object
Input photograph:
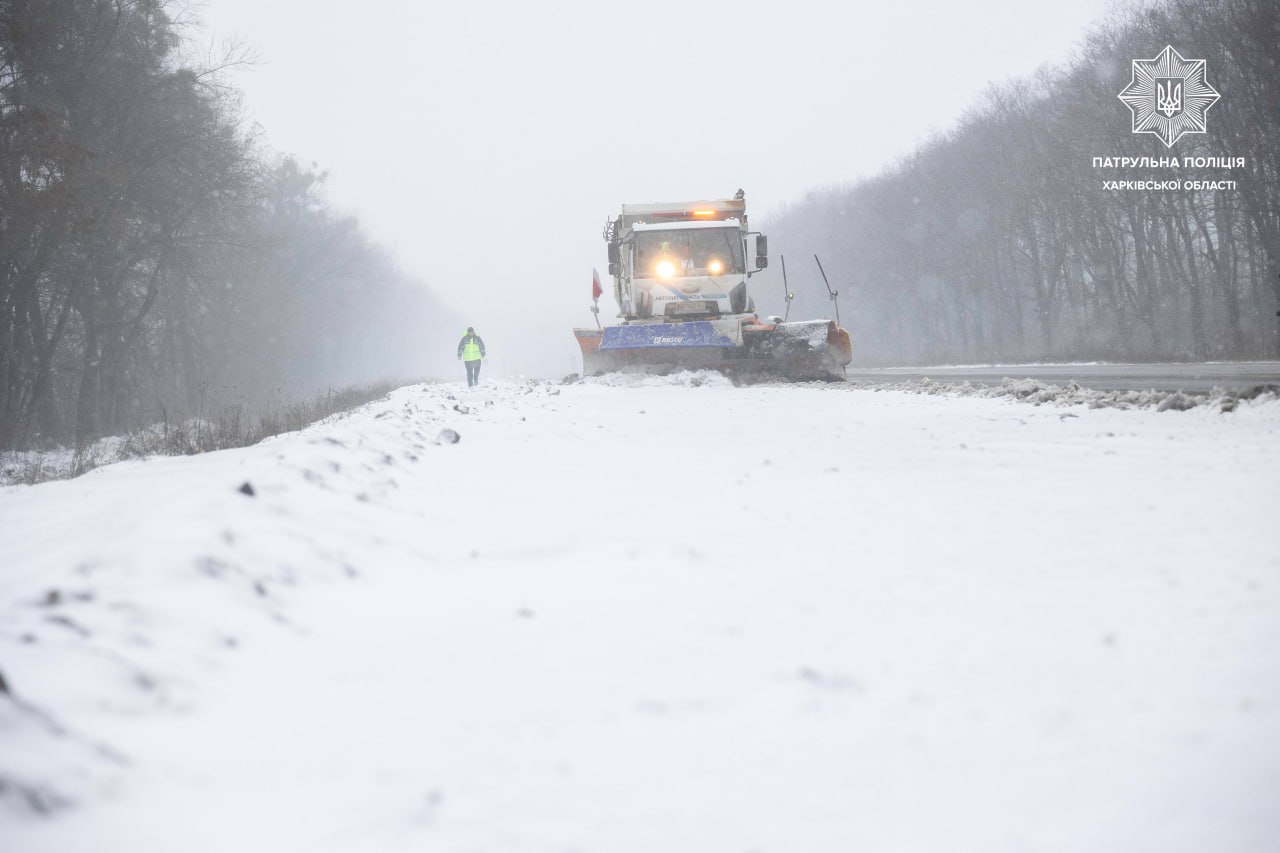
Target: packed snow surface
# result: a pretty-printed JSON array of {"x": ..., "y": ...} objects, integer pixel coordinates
[{"x": 649, "y": 614}]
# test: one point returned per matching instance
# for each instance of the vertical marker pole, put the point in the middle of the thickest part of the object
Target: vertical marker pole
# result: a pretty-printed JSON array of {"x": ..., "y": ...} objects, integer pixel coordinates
[
  {"x": 834, "y": 294},
  {"x": 786, "y": 289}
]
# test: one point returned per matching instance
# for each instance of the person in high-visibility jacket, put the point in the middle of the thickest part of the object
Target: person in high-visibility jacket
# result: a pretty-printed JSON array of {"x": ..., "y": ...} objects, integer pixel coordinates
[{"x": 471, "y": 350}]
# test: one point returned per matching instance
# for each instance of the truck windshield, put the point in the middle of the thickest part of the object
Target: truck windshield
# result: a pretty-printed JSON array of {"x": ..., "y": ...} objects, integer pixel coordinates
[{"x": 690, "y": 251}]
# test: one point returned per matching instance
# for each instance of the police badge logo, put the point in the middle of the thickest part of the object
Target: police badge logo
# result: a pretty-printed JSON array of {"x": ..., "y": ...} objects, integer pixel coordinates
[{"x": 1169, "y": 96}]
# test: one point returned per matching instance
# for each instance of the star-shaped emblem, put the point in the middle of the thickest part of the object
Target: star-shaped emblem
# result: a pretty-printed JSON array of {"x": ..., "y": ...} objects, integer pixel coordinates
[{"x": 1169, "y": 96}]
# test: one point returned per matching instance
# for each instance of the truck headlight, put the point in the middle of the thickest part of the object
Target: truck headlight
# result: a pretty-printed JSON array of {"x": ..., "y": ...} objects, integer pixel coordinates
[
  {"x": 715, "y": 267},
  {"x": 666, "y": 269}
]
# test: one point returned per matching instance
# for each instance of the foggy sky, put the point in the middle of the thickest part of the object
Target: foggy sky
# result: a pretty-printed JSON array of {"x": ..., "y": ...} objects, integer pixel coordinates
[{"x": 487, "y": 143}]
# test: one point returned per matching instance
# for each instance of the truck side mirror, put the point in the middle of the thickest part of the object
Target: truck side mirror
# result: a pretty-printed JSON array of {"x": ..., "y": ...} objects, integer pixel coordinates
[
  {"x": 613, "y": 268},
  {"x": 614, "y": 254},
  {"x": 762, "y": 251}
]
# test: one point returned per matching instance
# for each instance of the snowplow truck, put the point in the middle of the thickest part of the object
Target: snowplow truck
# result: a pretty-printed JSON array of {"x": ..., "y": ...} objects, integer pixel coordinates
[{"x": 680, "y": 279}]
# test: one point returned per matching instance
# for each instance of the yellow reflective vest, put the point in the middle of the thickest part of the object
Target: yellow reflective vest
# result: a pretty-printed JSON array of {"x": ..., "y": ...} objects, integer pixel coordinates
[{"x": 471, "y": 348}]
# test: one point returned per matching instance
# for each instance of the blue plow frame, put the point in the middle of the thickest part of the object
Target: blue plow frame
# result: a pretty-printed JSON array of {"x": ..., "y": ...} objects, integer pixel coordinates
[{"x": 699, "y": 335}]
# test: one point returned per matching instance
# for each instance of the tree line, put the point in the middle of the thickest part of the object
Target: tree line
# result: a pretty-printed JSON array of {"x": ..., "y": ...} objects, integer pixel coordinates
[
  {"x": 157, "y": 260},
  {"x": 999, "y": 241}
]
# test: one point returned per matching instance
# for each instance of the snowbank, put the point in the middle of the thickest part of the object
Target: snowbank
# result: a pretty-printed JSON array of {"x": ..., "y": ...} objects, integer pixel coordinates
[
  {"x": 1073, "y": 394},
  {"x": 633, "y": 614}
]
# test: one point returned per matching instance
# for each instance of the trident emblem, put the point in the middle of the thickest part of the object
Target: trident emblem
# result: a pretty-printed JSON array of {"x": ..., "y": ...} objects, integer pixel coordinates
[{"x": 1169, "y": 97}]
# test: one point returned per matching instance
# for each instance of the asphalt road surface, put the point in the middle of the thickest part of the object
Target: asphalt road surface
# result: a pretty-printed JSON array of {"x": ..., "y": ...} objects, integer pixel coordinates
[{"x": 1104, "y": 377}]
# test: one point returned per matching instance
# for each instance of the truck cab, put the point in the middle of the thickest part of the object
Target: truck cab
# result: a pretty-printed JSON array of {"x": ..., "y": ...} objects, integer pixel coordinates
[{"x": 683, "y": 261}]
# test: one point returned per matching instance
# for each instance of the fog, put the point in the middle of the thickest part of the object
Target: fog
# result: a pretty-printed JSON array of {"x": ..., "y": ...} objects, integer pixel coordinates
[{"x": 486, "y": 144}]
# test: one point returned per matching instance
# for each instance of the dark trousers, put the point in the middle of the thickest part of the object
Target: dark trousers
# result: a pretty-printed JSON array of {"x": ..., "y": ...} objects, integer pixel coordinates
[{"x": 473, "y": 372}]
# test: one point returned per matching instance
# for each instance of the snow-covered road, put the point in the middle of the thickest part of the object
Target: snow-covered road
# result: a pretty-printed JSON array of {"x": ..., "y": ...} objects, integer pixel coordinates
[{"x": 653, "y": 616}]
